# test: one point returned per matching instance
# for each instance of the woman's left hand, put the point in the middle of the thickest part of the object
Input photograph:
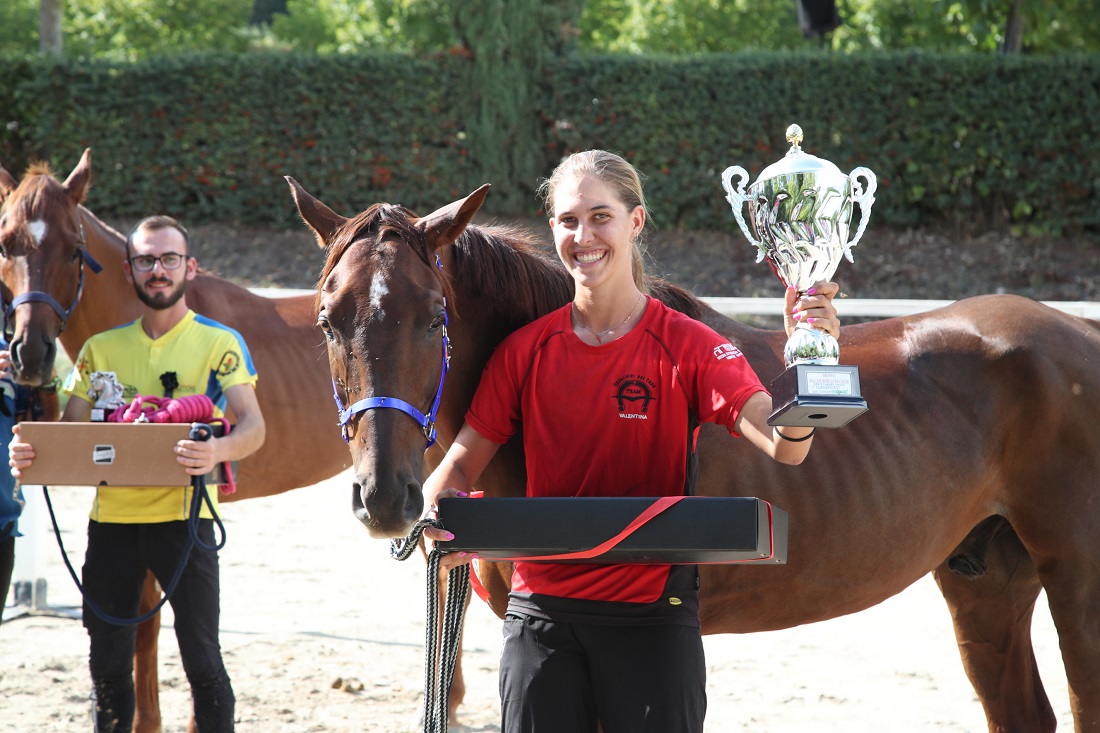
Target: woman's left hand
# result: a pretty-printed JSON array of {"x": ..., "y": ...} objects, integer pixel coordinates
[{"x": 814, "y": 308}]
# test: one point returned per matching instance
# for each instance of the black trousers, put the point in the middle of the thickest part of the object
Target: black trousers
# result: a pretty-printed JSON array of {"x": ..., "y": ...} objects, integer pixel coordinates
[
  {"x": 7, "y": 565},
  {"x": 558, "y": 677},
  {"x": 114, "y": 574}
]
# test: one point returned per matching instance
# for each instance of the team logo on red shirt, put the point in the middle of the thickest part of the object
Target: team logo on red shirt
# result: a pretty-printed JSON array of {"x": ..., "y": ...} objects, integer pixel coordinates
[
  {"x": 633, "y": 395},
  {"x": 727, "y": 351}
]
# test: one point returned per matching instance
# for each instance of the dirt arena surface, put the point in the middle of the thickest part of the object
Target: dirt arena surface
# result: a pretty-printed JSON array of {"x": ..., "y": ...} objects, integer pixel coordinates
[{"x": 323, "y": 633}]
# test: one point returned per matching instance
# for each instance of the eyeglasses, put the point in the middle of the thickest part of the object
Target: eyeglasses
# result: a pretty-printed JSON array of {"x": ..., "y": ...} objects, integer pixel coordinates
[{"x": 169, "y": 261}]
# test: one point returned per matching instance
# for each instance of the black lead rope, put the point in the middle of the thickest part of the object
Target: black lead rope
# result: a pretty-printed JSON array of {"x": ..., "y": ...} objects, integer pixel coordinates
[
  {"x": 441, "y": 645},
  {"x": 199, "y": 495}
]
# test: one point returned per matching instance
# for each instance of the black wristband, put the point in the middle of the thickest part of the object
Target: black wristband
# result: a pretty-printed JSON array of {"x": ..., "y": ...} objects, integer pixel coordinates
[{"x": 795, "y": 440}]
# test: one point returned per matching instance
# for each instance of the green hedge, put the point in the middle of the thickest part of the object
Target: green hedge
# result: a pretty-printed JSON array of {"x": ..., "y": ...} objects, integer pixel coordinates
[
  {"x": 210, "y": 138},
  {"x": 972, "y": 140}
]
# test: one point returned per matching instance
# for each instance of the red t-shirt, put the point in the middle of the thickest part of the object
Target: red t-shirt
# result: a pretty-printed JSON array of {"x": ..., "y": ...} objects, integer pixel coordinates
[{"x": 613, "y": 420}]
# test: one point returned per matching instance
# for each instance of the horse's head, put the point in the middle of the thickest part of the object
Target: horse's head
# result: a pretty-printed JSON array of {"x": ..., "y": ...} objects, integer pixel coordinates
[
  {"x": 42, "y": 258},
  {"x": 382, "y": 305}
]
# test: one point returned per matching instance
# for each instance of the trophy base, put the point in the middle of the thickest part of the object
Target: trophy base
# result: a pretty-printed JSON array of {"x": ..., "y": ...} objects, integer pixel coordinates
[{"x": 816, "y": 396}]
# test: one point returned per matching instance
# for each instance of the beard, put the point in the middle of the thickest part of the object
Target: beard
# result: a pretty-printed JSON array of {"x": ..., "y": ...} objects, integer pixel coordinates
[{"x": 160, "y": 300}]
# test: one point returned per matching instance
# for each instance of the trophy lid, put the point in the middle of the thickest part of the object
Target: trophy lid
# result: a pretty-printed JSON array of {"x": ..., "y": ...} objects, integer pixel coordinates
[{"x": 797, "y": 162}]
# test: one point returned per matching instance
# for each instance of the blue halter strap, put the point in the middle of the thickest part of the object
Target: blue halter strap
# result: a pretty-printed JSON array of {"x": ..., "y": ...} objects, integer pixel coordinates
[
  {"x": 32, "y": 296},
  {"x": 425, "y": 421}
]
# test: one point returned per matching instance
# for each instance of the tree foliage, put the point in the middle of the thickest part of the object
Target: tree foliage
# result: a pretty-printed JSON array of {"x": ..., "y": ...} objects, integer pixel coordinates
[
  {"x": 688, "y": 27},
  {"x": 350, "y": 26},
  {"x": 135, "y": 29},
  {"x": 19, "y": 26},
  {"x": 509, "y": 44},
  {"x": 128, "y": 30},
  {"x": 1049, "y": 27}
]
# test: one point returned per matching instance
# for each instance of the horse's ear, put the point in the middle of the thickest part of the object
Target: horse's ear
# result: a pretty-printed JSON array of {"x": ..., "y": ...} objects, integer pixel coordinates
[
  {"x": 7, "y": 183},
  {"x": 321, "y": 219},
  {"x": 444, "y": 226},
  {"x": 76, "y": 185}
]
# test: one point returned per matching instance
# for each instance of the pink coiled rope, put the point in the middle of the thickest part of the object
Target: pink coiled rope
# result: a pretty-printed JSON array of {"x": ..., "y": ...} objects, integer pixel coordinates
[{"x": 193, "y": 408}]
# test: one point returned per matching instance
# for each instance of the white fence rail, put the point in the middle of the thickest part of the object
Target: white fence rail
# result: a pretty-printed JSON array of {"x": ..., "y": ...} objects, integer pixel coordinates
[
  {"x": 875, "y": 308},
  {"x": 849, "y": 307}
]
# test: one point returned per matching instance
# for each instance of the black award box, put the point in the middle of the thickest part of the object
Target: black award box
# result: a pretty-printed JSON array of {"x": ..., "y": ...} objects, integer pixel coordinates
[{"x": 646, "y": 530}]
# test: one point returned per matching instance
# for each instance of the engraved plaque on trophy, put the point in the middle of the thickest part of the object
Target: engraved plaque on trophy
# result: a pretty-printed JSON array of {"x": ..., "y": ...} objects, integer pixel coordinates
[{"x": 801, "y": 209}]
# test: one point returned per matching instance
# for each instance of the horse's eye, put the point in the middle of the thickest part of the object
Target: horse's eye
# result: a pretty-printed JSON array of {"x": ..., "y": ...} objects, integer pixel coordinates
[
  {"x": 75, "y": 256},
  {"x": 437, "y": 322}
]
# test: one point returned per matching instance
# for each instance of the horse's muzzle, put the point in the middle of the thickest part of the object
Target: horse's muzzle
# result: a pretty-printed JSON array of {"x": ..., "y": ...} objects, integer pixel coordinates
[
  {"x": 32, "y": 360},
  {"x": 387, "y": 512}
]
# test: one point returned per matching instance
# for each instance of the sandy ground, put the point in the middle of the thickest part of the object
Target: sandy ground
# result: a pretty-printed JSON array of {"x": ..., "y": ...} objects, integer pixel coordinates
[{"x": 323, "y": 632}]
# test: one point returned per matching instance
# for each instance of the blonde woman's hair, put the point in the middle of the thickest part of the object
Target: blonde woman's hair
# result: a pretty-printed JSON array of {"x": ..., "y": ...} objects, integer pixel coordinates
[{"x": 613, "y": 171}]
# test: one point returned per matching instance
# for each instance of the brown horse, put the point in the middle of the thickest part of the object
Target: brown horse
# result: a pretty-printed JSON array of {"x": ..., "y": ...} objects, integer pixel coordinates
[
  {"x": 44, "y": 236},
  {"x": 980, "y": 452}
]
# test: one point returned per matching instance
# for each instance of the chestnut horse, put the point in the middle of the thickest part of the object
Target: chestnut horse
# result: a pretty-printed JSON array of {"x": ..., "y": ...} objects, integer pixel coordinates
[
  {"x": 980, "y": 453},
  {"x": 44, "y": 233}
]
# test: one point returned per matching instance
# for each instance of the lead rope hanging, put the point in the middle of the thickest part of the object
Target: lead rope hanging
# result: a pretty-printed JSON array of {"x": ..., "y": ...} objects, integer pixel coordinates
[{"x": 441, "y": 644}]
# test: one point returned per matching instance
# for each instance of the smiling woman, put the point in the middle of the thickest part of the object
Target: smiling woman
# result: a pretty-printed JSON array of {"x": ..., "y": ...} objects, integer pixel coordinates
[{"x": 612, "y": 335}]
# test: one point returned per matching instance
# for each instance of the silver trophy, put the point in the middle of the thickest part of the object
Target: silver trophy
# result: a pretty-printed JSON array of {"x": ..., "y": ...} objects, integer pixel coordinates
[{"x": 801, "y": 210}]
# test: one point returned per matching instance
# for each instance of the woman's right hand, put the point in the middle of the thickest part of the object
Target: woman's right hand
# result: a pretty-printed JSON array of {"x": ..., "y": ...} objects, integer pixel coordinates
[
  {"x": 449, "y": 559},
  {"x": 455, "y": 476}
]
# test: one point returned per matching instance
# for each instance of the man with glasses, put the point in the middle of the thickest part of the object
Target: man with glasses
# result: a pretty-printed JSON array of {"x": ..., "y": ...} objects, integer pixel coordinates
[{"x": 172, "y": 349}]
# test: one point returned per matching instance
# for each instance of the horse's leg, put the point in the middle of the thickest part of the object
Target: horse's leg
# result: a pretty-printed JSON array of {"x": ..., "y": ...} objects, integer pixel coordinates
[
  {"x": 992, "y": 617},
  {"x": 146, "y": 683},
  {"x": 496, "y": 579},
  {"x": 1073, "y": 592}
]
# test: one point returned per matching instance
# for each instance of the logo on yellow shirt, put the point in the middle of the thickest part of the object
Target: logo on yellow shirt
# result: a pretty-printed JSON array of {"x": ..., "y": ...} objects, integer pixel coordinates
[{"x": 229, "y": 363}]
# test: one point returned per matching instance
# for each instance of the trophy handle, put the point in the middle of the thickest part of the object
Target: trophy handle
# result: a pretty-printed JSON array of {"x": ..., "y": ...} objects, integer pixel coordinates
[
  {"x": 737, "y": 196},
  {"x": 865, "y": 197}
]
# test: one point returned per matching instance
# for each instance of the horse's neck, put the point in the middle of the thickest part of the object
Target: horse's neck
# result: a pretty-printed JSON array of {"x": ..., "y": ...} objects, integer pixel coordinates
[{"x": 107, "y": 299}]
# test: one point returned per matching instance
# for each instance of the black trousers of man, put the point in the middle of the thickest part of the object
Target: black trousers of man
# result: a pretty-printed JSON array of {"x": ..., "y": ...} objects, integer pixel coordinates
[{"x": 114, "y": 574}]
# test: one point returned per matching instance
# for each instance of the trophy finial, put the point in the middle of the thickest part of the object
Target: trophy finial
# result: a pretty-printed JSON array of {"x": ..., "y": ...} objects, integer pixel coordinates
[{"x": 794, "y": 136}]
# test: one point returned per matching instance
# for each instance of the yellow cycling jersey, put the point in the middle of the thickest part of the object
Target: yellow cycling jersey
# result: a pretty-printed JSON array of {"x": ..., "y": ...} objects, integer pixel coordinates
[{"x": 198, "y": 355}]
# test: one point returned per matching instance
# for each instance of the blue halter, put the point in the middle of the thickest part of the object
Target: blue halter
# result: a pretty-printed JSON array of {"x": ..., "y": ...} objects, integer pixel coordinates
[
  {"x": 426, "y": 422},
  {"x": 33, "y": 296}
]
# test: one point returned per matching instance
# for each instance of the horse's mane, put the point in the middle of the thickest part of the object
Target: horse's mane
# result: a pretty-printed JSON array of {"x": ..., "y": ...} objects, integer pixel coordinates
[
  {"x": 34, "y": 190},
  {"x": 504, "y": 265},
  {"x": 38, "y": 168}
]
